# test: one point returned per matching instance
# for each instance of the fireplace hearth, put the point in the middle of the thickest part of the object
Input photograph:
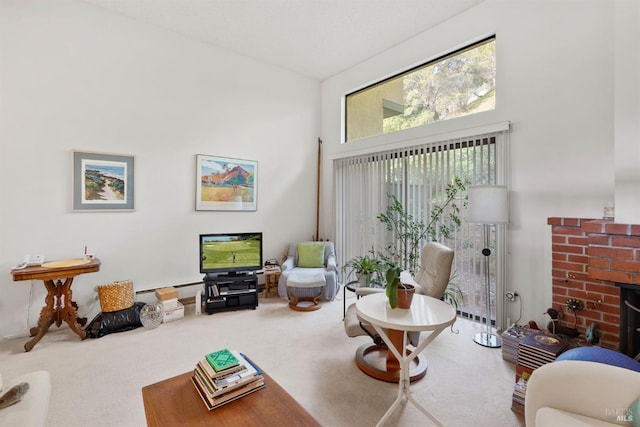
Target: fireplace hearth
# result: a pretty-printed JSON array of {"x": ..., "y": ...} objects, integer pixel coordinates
[
  {"x": 629, "y": 319},
  {"x": 598, "y": 262}
]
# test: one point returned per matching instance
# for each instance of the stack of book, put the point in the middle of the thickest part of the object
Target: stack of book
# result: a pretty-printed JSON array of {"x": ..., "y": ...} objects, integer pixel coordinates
[
  {"x": 225, "y": 375},
  {"x": 511, "y": 340},
  {"x": 519, "y": 391},
  {"x": 537, "y": 349},
  {"x": 534, "y": 350}
]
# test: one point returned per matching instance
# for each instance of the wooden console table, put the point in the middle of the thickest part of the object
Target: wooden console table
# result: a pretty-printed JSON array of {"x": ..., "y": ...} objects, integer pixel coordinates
[
  {"x": 59, "y": 306},
  {"x": 175, "y": 402}
]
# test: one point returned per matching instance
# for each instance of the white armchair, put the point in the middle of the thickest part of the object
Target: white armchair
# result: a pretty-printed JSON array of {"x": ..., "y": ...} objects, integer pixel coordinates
[
  {"x": 326, "y": 266},
  {"x": 581, "y": 393}
]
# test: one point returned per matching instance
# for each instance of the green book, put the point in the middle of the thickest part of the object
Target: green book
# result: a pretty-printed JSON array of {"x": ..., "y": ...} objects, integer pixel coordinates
[{"x": 222, "y": 359}]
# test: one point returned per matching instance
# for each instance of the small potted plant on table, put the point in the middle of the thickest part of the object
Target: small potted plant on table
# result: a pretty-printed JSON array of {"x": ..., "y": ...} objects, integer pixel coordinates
[
  {"x": 400, "y": 294},
  {"x": 365, "y": 267}
]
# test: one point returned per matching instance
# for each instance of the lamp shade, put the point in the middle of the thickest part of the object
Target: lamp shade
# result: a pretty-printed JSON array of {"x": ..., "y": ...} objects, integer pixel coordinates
[{"x": 488, "y": 204}]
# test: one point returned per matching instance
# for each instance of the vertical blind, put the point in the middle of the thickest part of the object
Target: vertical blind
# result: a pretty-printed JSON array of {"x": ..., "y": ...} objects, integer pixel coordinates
[{"x": 418, "y": 176}]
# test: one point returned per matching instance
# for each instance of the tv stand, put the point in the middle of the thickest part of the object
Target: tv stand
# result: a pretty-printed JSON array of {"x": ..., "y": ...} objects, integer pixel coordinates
[
  {"x": 216, "y": 276},
  {"x": 225, "y": 292}
]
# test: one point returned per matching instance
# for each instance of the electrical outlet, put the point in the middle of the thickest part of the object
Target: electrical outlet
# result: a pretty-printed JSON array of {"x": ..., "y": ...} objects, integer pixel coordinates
[{"x": 510, "y": 295}]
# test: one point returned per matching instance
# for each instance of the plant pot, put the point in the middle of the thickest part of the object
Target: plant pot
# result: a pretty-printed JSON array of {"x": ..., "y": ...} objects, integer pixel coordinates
[
  {"x": 405, "y": 296},
  {"x": 364, "y": 280}
]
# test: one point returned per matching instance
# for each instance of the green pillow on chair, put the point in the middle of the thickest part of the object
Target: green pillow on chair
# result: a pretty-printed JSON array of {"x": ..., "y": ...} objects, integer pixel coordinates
[{"x": 311, "y": 254}]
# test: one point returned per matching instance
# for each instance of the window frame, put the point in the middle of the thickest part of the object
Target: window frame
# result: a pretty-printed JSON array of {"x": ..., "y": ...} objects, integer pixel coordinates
[{"x": 470, "y": 44}]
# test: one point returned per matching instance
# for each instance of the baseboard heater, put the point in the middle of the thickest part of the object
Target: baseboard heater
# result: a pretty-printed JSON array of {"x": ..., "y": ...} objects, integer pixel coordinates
[{"x": 183, "y": 301}]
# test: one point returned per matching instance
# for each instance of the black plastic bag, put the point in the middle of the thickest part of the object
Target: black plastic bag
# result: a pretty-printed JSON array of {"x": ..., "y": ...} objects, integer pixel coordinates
[{"x": 115, "y": 321}]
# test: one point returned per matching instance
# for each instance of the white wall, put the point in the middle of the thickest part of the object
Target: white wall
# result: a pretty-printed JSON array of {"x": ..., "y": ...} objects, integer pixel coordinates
[
  {"x": 554, "y": 84},
  {"x": 73, "y": 76},
  {"x": 627, "y": 110}
]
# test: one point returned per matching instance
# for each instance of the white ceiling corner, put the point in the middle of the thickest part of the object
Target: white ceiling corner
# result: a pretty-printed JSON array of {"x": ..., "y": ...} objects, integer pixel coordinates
[{"x": 315, "y": 38}]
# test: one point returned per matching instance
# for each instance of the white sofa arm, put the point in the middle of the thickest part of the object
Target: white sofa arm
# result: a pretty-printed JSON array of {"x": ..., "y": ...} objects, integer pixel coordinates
[
  {"x": 288, "y": 263},
  {"x": 32, "y": 409},
  {"x": 332, "y": 264},
  {"x": 593, "y": 390}
]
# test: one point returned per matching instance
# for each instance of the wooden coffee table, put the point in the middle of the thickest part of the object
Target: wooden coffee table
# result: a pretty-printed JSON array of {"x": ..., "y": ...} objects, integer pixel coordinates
[{"x": 175, "y": 402}]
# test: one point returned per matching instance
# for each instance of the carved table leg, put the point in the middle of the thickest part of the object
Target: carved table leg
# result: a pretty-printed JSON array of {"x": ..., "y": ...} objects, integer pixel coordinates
[
  {"x": 44, "y": 322},
  {"x": 58, "y": 307},
  {"x": 81, "y": 320},
  {"x": 58, "y": 301},
  {"x": 68, "y": 311},
  {"x": 43, "y": 327}
]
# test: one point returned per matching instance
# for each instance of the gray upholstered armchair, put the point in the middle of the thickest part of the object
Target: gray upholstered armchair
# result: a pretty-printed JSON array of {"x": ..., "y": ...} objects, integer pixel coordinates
[{"x": 324, "y": 264}]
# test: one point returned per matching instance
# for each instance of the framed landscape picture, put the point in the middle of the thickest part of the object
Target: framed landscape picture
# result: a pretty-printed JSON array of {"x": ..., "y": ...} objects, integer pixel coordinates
[
  {"x": 226, "y": 184},
  {"x": 102, "y": 182}
]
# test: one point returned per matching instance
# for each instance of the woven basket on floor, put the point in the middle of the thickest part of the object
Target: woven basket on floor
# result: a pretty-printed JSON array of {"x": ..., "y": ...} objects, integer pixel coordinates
[{"x": 116, "y": 296}]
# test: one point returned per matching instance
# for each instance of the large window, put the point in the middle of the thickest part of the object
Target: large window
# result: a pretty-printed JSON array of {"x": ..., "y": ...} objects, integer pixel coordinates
[
  {"x": 455, "y": 85},
  {"x": 418, "y": 176}
]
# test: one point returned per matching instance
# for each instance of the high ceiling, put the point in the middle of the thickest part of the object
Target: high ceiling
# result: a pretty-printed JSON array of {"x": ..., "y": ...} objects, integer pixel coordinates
[{"x": 315, "y": 38}]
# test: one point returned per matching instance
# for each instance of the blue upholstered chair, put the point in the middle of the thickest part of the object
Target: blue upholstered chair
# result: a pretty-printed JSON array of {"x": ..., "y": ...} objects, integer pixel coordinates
[{"x": 310, "y": 259}]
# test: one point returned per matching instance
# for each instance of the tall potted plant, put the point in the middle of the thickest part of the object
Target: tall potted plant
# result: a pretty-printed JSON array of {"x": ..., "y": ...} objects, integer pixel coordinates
[{"x": 409, "y": 232}]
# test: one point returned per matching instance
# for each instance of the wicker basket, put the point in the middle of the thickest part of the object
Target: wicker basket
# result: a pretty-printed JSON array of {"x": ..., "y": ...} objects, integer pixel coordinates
[{"x": 116, "y": 296}]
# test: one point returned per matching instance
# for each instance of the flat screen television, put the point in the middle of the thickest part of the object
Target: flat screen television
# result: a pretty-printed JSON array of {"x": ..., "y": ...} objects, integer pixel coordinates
[{"x": 230, "y": 253}]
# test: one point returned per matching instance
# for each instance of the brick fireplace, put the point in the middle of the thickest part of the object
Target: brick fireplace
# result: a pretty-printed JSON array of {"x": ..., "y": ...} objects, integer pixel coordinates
[{"x": 594, "y": 261}]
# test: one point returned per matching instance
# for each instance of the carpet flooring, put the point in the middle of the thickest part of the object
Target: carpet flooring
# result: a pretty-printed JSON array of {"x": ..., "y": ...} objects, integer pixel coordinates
[{"x": 97, "y": 382}]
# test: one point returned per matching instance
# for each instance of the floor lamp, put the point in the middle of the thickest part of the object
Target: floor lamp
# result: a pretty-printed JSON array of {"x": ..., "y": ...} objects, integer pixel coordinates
[{"x": 487, "y": 205}]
